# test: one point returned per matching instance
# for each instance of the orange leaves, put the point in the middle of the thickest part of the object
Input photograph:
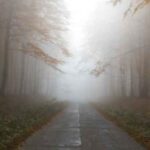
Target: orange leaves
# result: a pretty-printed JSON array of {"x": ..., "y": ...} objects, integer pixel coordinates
[
  {"x": 141, "y": 5},
  {"x": 42, "y": 22},
  {"x": 38, "y": 52},
  {"x": 134, "y": 6},
  {"x": 99, "y": 69}
]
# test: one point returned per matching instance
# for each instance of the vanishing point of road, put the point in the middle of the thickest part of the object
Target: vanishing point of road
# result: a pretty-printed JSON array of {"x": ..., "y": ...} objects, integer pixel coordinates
[{"x": 80, "y": 127}]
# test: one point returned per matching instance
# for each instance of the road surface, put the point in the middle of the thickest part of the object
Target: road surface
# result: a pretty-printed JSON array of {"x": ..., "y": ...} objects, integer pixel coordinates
[{"x": 80, "y": 127}]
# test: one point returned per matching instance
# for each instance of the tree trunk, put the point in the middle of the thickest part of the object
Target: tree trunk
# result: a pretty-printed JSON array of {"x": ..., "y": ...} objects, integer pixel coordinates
[
  {"x": 145, "y": 77},
  {"x": 6, "y": 49}
]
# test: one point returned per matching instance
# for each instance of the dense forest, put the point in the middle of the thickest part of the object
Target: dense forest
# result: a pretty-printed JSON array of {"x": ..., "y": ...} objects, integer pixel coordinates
[
  {"x": 33, "y": 46},
  {"x": 124, "y": 62},
  {"x": 27, "y": 28},
  {"x": 74, "y": 50}
]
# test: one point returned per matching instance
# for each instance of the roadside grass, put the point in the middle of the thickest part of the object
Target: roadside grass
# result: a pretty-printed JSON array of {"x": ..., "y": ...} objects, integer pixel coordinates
[
  {"x": 20, "y": 117},
  {"x": 132, "y": 115}
]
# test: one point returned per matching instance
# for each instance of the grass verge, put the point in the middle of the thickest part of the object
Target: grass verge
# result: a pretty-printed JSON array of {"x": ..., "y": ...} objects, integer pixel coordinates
[
  {"x": 20, "y": 117},
  {"x": 129, "y": 116}
]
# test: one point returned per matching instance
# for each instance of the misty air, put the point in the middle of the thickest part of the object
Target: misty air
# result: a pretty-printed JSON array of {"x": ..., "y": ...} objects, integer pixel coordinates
[{"x": 74, "y": 75}]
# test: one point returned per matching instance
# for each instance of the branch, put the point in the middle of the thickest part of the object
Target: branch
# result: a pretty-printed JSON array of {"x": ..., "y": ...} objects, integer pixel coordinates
[{"x": 37, "y": 52}]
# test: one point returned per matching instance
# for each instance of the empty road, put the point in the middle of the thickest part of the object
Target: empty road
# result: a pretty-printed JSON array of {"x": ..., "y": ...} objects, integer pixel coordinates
[{"x": 80, "y": 127}]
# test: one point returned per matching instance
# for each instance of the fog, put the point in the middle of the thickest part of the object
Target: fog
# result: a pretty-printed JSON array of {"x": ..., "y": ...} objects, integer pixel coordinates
[{"x": 75, "y": 50}]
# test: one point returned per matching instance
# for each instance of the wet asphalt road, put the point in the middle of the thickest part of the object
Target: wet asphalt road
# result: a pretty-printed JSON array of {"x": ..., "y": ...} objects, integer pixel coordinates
[{"x": 80, "y": 127}]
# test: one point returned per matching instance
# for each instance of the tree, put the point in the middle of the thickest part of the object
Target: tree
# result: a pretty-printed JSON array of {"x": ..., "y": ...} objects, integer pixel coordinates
[
  {"x": 134, "y": 5},
  {"x": 7, "y": 44},
  {"x": 29, "y": 23}
]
